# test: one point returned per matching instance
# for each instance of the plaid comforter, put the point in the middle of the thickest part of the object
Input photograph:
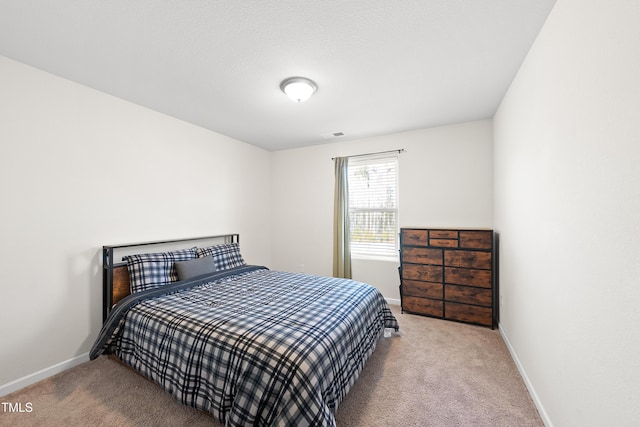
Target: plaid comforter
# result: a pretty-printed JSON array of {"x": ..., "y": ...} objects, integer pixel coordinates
[{"x": 252, "y": 346}]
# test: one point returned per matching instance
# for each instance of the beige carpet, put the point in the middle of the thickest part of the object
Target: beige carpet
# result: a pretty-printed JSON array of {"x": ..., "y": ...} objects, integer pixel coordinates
[{"x": 433, "y": 373}]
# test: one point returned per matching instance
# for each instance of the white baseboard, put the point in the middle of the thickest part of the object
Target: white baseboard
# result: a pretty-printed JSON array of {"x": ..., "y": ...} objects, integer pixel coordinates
[
  {"x": 393, "y": 301},
  {"x": 536, "y": 400},
  {"x": 42, "y": 374}
]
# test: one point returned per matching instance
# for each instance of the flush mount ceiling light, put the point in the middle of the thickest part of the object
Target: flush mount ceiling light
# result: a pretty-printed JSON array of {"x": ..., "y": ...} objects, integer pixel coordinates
[{"x": 298, "y": 88}]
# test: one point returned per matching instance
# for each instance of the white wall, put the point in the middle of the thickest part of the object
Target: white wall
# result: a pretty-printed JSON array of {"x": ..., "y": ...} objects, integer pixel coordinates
[
  {"x": 567, "y": 203},
  {"x": 445, "y": 180},
  {"x": 80, "y": 169}
]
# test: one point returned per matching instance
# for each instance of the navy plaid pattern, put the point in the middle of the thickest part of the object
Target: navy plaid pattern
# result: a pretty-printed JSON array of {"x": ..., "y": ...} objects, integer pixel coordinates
[
  {"x": 258, "y": 348},
  {"x": 225, "y": 256},
  {"x": 147, "y": 271}
]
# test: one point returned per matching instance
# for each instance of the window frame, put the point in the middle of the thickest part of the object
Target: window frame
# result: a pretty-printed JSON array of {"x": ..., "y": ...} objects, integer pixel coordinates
[{"x": 357, "y": 252}]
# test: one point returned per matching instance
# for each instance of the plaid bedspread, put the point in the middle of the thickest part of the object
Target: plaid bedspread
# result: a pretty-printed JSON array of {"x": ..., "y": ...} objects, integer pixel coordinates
[{"x": 257, "y": 347}]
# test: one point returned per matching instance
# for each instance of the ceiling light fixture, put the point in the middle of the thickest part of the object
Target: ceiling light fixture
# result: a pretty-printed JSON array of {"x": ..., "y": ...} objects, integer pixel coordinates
[{"x": 298, "y": 88}]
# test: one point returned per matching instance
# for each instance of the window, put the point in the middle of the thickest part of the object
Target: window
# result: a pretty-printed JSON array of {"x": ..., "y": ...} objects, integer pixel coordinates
[{"x": 373, "y": 205}]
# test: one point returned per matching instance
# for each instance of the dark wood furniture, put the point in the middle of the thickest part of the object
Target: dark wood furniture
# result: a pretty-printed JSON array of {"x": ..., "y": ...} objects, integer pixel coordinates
[{"x": 449, "y": 273}]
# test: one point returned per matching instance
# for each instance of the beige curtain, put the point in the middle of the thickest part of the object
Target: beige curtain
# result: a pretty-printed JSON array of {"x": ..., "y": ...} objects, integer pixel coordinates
[{"x": 341, "y": 243}]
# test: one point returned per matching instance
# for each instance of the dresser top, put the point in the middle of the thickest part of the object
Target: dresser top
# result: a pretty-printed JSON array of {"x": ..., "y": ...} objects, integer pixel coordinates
[{"x": 446, "y": 228}]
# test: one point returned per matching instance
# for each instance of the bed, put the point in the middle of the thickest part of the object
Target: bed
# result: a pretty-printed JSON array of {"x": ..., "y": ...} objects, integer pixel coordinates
[{"x": 248, "y": 345}]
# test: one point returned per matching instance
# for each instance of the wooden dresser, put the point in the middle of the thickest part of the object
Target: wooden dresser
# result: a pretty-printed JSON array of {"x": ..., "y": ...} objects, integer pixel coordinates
[{"x": 449, "y": 273}]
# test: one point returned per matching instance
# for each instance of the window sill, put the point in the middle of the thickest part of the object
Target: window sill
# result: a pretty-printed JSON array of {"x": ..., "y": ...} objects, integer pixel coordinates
[{"x": 393, "y": 259}]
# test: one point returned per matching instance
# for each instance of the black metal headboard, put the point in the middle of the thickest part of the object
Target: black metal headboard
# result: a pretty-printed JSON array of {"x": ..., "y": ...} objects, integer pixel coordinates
[{"x": 109, "y": 264}]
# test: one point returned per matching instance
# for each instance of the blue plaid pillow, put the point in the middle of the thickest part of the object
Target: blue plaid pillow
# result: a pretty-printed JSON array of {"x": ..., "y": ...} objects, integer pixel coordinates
[
  {"x": 225, "y": 256},
  {"x": 147, "y": 271}
]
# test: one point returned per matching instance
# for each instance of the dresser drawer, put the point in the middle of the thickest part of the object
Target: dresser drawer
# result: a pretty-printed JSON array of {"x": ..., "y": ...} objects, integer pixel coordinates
[
  {"x": 422, "y": 255},
  {"x": 425, "y": 273},
  {"x": 414, "y": 237},
  {"x": 426, "y": 306},
  {"x": 476, "y": 239},
  {"x": 422, "y": 289},
  {"x": 469, "y": 259},
  {"x": 468, "y": 276},
  {"x": 443, "y": 243},
  {"x": 443, "y": 234},
  {"x": 468, "y": 295},
  {"x": 468, "y": 313}
]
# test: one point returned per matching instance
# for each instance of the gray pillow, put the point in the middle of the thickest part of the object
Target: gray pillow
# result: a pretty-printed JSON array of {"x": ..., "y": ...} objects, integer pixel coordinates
[{"x": 195, "y": 267}]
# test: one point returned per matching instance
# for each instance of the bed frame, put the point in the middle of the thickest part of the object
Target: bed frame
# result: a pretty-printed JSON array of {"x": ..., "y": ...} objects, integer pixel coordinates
[{"x": 115, "y": 275}]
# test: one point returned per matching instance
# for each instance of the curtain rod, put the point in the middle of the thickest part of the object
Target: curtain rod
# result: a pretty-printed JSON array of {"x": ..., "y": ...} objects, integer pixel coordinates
[{"x": 400, "y": 150}]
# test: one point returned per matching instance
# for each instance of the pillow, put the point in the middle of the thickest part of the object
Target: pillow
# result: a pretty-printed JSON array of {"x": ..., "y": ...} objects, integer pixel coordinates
[
  {"x": 148, "y": 271},
  {"x": 225, "y": 256},
  {"x": 195, "y": 267}
]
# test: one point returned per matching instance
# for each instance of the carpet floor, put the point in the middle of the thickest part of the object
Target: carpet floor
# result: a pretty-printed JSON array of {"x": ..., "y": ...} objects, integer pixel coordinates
[{"x": 432, "y": 373}]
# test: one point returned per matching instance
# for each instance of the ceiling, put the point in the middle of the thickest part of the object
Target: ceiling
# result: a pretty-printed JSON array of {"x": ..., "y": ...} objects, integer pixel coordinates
[{"x": 381, "y": 66}]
